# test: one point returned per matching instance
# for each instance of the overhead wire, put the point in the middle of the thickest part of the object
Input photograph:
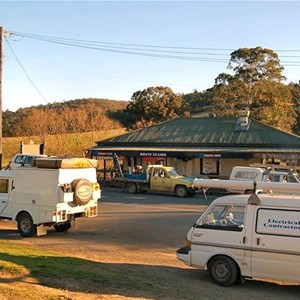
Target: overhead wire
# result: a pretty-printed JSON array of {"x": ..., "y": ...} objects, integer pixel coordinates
[
  {"x": 129, "y": 49},
  {"x": 26, "y": 74},
  {"x": 159, "y": 51}
]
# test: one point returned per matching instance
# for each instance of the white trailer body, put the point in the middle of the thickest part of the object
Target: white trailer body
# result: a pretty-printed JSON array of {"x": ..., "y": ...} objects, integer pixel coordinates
[
  {"x": 48, "y": 197},
  {"x": 246, "y": 236}
]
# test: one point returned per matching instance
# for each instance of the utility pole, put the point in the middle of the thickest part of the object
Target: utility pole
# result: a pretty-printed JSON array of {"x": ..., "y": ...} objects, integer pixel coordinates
[{"x": 1, "y": 72}]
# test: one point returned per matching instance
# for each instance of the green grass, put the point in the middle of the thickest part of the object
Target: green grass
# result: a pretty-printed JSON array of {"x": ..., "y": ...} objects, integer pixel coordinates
[
  {"x": 49, "y": 267},
  {"x": 52, "y": 269}
]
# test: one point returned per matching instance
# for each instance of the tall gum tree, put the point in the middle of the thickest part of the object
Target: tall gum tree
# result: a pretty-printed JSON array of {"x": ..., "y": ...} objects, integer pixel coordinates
[{"x": 256, "y": 83}]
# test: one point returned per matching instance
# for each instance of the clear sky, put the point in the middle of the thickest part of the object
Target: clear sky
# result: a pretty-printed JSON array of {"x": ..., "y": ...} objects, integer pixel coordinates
[{"x": 60, "y": 72}]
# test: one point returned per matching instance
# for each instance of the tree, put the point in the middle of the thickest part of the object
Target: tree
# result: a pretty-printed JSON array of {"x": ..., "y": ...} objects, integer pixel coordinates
[
  {"x": 295, "y": 91},
  {"x": 79, "y": 115},
  {"x": 153, "y": 105},
  {"x": 198, "y": 102},
  {"x": 273, "y": 105},
  {"x": 256, "y": 84},
  {"x": 253, "y": 64}
]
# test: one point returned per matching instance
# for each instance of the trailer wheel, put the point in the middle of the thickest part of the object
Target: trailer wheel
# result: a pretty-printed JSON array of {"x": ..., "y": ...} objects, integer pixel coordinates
[
  {"x": 223, "y": 270},
  {"x": 131, "y": 188},
  {"x": 181, "y": 191},
  {"x": 25, "y": 225},
  {"x": 83, "y": 191},
  {"x": 62, "y": 226}
]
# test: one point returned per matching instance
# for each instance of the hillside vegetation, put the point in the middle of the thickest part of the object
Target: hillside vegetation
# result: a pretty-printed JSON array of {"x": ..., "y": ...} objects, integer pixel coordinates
[
  {"x": 81, "y": 115},
  {"x": 59, "y": 145}
]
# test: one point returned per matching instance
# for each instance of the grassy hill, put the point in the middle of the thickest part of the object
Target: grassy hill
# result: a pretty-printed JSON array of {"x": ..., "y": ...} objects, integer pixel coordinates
[{"x": 60, "y": 145}]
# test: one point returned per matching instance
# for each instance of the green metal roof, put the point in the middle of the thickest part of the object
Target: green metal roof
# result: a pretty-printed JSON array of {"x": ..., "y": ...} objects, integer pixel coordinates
[{"x": 211, "y": 132}]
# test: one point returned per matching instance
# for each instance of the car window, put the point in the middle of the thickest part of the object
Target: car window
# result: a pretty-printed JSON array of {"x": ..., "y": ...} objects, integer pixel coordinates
[
  {"x": 246, "y": 174},
  {"x": 276, "y": 178},
  {"x": 29, "y": 159},
  {"x": 292, "y": 179},
  {"x": 19, "y": 159}
]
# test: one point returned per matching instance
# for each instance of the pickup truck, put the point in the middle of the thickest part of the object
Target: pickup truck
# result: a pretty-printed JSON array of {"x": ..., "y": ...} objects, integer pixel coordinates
[{"x": 160, "y": 179}]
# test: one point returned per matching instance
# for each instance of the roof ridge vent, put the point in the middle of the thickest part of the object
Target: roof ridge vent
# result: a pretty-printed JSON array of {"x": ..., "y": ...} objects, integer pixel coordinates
[{"x": 243, "y": 121}]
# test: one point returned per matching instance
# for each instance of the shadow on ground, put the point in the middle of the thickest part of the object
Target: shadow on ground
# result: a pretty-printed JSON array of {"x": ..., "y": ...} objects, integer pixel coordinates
[{"x": 134, "y": 280}]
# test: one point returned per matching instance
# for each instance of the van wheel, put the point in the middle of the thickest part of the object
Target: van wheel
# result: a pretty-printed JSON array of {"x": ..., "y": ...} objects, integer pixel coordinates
[
  {"x": 181, "y": 191},
  {"x": 62, "y": 227},
  {"x": 223, "y": 270},
  {"x": 131, "y": 188},
  {"x": 25, "y": 225}
]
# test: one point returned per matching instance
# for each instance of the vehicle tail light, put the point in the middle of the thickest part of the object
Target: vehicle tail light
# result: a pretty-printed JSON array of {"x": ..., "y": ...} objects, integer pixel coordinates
[{"x": 95, "y": 186}]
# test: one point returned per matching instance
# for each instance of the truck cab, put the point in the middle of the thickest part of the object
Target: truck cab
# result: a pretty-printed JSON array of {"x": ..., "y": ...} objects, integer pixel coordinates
[{"x": 166, "y": 179}]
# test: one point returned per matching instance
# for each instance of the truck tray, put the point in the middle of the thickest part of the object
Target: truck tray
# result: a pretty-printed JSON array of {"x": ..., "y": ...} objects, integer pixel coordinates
[{"x": 64, "y": 163}]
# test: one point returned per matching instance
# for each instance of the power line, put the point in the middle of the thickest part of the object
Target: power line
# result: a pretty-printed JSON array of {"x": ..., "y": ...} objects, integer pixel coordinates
[
  {"x": 127, "y": 50},
  {"x": 36, "y": 36},
  {"x": 14, "y": 54},
  {"x": 158, "y": 51}
]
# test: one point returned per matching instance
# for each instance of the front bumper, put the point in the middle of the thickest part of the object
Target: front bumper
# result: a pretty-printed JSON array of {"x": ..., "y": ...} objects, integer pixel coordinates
[{"x": 184, "y": 254}]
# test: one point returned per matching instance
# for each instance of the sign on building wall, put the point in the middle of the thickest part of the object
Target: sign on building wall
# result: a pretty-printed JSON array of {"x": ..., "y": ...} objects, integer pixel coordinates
[{"x": 210, "y": 166}]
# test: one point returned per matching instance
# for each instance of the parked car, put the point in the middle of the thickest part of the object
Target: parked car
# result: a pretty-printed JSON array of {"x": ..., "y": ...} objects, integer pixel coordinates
[
  {"x": 23, "y": 160},
  {"x": 284, "y": 176},
  {"x": 261, "y": 174}
]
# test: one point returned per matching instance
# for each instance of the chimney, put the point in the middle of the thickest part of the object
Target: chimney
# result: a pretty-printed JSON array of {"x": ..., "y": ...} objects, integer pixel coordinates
[{"x": 243, "y": 122}]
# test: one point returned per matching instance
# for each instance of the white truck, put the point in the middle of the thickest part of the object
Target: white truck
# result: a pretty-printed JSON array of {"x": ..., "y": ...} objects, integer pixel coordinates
[
  {"x": 247, "y": 236},
  {"x": 52, "y": 193},
  {"x": 257, "y": 174}
]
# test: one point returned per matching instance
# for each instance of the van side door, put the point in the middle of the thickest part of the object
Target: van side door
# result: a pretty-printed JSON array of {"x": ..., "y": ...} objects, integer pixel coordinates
[
  {"x": 276, "y": 244},
  {"x": 220, "y": 231}
]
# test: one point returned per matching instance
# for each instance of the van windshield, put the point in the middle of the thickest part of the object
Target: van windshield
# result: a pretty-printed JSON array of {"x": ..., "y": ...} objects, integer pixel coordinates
[{"x": 224, "y": 216}]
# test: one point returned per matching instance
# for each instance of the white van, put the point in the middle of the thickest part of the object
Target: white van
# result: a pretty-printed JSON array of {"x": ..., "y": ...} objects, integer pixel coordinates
[
  {"x": 247, "y": 236},
  {"x": 54, "y": 193}
]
